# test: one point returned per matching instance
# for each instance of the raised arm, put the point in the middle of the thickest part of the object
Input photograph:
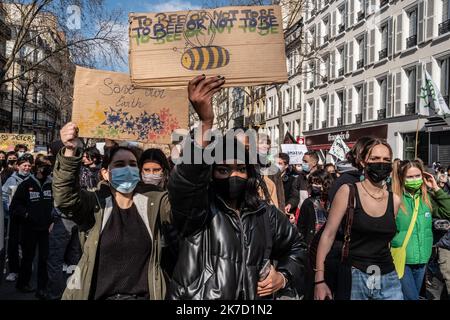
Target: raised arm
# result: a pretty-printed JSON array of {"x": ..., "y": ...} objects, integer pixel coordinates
[
  {"x": 188, "y": 184},
  {"x": 76, "y": 204}
]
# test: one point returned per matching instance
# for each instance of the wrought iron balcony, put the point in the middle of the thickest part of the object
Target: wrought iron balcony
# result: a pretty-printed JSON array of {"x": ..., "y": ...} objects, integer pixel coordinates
[
  {"x": 360, "y": 64},
  {"x": 410, "y": 109},
  {"x": 341, "y": 72},
  {"x": 358, "y": 118},
  {"x": 444, "y": 27},
  {"x": 411, "y": 41},
  {"x": 383, "y": 3},
  {"x": 381, "y": 114},
  {"x": 382, "y": 54},
  {"x": 341, "y": 28},
  {"x": 339, "y": 122}
]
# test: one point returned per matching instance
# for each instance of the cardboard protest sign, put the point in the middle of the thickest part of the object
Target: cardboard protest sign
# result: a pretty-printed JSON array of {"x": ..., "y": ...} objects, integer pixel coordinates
[
  {"x": 9, "y": 140},
  {"x": 295, "y": 152},
  {"x": 106, "y": 105},
  {"x": 339, "y": 149},
  {"x": 244, "y": 44}
]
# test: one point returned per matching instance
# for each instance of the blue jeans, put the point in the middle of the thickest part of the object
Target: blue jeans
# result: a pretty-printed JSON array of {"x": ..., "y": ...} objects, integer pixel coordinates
[
  {"x": 372, "y": 287},
  {"x": 412, "y": 280}
]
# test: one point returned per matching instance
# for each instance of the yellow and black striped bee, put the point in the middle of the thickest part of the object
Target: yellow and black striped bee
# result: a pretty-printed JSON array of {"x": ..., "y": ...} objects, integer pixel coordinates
[{"x": 204, "y": 56}]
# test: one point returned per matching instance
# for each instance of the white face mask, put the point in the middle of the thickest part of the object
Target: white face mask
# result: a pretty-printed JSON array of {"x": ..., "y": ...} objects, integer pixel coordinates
[{"x": 154, "y": 179}]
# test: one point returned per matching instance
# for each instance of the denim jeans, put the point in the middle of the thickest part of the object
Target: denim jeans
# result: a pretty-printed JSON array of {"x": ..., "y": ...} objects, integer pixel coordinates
[
  {"x": 373, "y": 287},
  {"x": 412, "y": 280}
]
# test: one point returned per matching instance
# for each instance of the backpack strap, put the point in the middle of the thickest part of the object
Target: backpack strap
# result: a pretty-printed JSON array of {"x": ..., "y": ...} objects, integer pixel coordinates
[{"x": 349, "y": 222}]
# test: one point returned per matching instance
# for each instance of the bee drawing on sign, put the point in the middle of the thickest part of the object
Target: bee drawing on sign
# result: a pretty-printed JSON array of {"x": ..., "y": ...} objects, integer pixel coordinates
[{"x": 200, "y": 54}]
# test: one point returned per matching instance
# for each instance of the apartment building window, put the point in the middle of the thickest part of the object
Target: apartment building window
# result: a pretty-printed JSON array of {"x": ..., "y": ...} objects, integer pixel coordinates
[
  {"x": 384, "y": 42},
  {"x": 341, "y": 61},
  {"x": 312, "y": 39},
  {"x": 341, "y": 106},
  {"x": 412, "y": 92},
  {"x": 35, "y": 115},
  {"x": 360, "y": 9},
  {"x": 311, "y": 75},
  {"x": 361, "y": 52},
  {"x": 361, "y": 105},
  {"x": 383, "y": 98},
  {"x": 326, "y": 68},
  {"x": 411, "y": 41},
  {"x": 444, "y": 27},
  {"x": 341, "y": 18},
  {"x": 326, "y": 107},
  {"x": 326, "y": 28},
  {"x": 445, "y": 78}
]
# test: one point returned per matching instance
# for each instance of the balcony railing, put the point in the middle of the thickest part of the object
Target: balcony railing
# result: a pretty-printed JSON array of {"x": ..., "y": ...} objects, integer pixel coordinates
[
  {"x": 341, "y": 28},
  {"x": 324, "y": 124},
  {"x": 383, "y": 3},
  {"x": 358, "y": 118},
  {"x": 360, "y": 64},
  {"x": 381, "y": 114},
  {"x": 444, "y": 27},
  {"x": 341, "y": 72},
  {"x": 325, "y": 39},
  {"x": 382, "y": 54},
  {"x": 339, "y": 122},
  {"x": 410, "y": 109},
  {"x": 311, "y": 85},
  {"x": 310, "y": 127},
  {"x": 361, "y": 15},
  {"x": 411, "y": 41}
]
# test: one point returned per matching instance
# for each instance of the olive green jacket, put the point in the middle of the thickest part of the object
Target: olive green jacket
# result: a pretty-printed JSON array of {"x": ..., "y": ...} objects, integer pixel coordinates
[{"x": 92, "y": 210}]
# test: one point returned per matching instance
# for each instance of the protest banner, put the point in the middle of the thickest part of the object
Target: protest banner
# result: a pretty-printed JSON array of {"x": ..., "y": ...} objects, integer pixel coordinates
[
  {"x": 339, "y": 149},
  {"x": 107, "y": 105},
  {"x": 244, "y": 44},
  {"x": 295, "y": 152},
  {"x": 9, "y": 140}
]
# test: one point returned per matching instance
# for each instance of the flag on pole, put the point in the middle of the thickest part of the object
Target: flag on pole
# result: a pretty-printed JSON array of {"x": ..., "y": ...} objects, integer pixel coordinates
[
  {"x": 431, "y": 97},
  {"x": 339, "y": 149},
  {"x": 289, "y": 139}
]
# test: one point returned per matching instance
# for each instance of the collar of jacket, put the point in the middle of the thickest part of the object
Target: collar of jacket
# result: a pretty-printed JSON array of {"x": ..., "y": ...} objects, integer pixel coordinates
[
  {"x": 244, "y": 212},
  {"x": 141, "y": 203},
  {"x": 47, "y": 181},
  {"x": 409, "y": 195}
]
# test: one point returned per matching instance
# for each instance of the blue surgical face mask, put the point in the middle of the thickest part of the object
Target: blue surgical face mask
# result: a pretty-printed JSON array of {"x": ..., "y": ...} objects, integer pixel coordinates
[
  {"x": 306, "y": 168},
  {"x": 125, "y": 179}
]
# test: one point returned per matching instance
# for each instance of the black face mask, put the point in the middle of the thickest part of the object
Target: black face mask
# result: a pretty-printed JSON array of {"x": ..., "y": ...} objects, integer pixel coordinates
[
  {"x": 316, "y": 192},
  {"x": 379, "y": 171},
  {"x": 12, "y": 162},
  {"x": 231, "y": 188},
  {"x": 45, "y": 171}
]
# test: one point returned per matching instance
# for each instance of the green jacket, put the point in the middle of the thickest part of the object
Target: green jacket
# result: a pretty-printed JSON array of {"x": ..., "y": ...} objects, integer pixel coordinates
[
  {"x": 93, "y": 209},
  {"x": 420, "y": 244}
]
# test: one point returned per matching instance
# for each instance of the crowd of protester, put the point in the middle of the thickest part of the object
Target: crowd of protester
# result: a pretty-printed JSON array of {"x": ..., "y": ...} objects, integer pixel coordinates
[{"x": 129, "y": 224}]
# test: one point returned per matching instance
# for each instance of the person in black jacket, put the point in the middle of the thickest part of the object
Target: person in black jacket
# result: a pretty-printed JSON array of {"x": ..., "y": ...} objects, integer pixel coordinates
[
  {"x": 33, "y": 204},
  {"x": 290, "y": 183},
  {"x": 229, "y": 235}
]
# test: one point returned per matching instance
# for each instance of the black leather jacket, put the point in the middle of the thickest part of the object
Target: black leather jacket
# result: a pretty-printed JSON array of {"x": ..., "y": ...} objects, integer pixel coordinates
[{"x": 221, "y": 253}]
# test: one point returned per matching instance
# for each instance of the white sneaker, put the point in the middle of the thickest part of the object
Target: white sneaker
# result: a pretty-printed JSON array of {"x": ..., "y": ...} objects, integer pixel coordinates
[{"x": 12, "y": 277}]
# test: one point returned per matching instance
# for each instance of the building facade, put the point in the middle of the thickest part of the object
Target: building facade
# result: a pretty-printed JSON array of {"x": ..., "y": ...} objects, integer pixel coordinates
[
  {"x": 40, "y": 100},
  {"x": 5, "y": 35},
  {"x": 363, "y": 73},
  {"x": 286, "y": 99}
]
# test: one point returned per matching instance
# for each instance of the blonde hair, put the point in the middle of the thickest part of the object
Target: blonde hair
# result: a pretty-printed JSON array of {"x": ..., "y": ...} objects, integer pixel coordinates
[{"x": 399, "y": 176}]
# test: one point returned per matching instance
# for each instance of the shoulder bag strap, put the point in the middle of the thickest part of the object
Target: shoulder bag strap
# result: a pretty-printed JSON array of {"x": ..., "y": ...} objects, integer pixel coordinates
[
  {"x": 413, "y": 222},
  {"x": 349, "y": 222}
]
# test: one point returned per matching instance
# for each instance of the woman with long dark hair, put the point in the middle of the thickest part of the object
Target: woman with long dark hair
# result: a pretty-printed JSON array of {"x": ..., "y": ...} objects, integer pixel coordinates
[
  {"x": 155, "y": 168},
  {"x": 230, "y": 234},
  {"x": 372, "y": 230}
]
